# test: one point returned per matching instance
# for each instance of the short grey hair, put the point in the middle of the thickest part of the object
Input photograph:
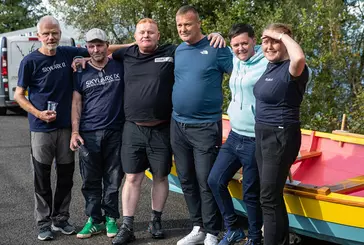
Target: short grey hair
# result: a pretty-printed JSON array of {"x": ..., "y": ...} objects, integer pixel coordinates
[
  {"x": 186, "y": 9},
  {"x": 47, "y": 18}
]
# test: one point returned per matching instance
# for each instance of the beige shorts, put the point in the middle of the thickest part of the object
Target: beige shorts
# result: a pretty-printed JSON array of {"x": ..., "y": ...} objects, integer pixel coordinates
[{"x": 46, "y": 146}]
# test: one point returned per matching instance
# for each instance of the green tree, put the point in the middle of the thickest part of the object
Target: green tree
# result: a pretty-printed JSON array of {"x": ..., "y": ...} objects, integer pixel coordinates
[{"x": 19, "y": 14}]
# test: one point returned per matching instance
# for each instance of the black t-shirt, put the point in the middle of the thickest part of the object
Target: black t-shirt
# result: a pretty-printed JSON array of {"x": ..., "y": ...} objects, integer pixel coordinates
[
  {"x": 49, "y": 78},
  {"x": 102, "y": 96},
  {"x": 279, "y": 95},
  {"x": 149, "y": 80}
]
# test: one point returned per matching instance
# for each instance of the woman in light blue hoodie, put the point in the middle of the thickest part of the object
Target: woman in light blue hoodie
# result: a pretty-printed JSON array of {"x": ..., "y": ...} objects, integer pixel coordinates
[{"x": 239, "y": 148}]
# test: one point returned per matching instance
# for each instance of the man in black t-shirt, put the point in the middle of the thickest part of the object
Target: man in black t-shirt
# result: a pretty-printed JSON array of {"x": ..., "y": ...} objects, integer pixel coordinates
[
  {"x": 149, "y": 79},
  {"x": 46, "y": 74},
  {"x": 97, "y": 121}
]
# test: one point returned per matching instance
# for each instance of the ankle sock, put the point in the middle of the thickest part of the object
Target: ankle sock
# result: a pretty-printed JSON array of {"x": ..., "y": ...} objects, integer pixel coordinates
[
  {"x": 129, "y": 221},
  {"x": 156, "y": 215}
]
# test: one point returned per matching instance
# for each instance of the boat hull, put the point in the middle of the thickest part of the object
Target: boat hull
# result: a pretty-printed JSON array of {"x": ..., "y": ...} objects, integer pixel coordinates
[{"x": 304, "y": 224}]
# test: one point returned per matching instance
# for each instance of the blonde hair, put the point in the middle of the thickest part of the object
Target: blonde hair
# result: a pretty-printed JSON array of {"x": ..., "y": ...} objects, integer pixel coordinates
[
  {"x": 147, "y": 20},
  {"x": 287, "y": 29}
]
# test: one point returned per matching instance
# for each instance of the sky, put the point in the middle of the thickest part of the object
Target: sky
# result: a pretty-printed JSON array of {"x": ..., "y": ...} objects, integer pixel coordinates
[{"x": 50, "y": 8}]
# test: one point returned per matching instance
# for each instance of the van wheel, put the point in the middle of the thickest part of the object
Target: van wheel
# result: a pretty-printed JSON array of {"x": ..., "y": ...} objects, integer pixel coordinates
[{"x": 2, "y": 111}]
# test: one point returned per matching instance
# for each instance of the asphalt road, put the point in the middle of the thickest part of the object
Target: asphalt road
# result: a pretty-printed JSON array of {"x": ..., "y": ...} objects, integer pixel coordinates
[{"x": 17, "y": 224}]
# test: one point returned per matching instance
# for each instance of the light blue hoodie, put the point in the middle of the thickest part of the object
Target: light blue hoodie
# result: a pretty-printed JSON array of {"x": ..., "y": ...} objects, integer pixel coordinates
[{"x": 245, "y": 74}]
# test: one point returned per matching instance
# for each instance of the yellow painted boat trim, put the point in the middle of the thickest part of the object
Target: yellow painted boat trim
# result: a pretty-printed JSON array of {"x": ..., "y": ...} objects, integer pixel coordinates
[
  {"x": 323, "y": 210},
  {"x": 148, "y": 174},
  {"x": 341, "y": 138},
  {"x": 317, "y": 209}
]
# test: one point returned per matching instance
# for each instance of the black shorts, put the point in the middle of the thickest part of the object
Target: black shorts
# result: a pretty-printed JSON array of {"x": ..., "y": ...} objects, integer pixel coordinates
[{"x": 146, "y": 147}]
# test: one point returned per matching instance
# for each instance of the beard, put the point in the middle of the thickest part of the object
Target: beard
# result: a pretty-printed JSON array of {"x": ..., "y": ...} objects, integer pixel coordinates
[{"x": 52, "y": 46}]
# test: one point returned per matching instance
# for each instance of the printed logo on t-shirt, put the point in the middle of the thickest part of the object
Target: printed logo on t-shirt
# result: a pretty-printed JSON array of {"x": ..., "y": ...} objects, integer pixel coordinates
[
  {"x": 54, "y": 67},
  {"x": 163, "y": 59},
  {"x": 268, "y": 79},
  {"x": 204, "y": 52},
  {"x": 102, "y": 80}
]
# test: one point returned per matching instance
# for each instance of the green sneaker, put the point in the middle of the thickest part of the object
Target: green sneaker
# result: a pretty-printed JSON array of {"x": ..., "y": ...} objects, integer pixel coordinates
[
  {"x": 111, "y": 227},
  {"x": 90, "y": 229}
]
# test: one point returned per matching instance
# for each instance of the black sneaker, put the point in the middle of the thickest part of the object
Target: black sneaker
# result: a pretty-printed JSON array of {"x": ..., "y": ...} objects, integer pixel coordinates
[
  {"x": 124, "y": 236},
  {"x": 155, "y": 228}
]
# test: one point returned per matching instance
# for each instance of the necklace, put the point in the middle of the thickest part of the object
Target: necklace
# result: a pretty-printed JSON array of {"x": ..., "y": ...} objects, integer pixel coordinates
[
  {"x": 100, "y": 68},
  {"x": 96, "y": 66}
]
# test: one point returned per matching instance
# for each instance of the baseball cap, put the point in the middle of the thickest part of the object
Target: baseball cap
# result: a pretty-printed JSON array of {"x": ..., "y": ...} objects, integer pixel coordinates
[{"x": 94, "y": 34}]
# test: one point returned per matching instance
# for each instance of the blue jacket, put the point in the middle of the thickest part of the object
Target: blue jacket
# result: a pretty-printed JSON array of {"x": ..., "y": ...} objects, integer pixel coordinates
[{"x": 245, "y": 74}]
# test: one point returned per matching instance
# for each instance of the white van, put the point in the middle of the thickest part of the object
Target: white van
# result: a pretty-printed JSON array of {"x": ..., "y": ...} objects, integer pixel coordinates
[{"x": 12, "y": 51}]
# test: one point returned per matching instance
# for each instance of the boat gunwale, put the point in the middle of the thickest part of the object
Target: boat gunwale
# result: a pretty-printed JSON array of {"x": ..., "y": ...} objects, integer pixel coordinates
[
  {"x": 335, "y": 137},
  {"x": 332, "y": 197},
  {"x": 318, "y": 193}
]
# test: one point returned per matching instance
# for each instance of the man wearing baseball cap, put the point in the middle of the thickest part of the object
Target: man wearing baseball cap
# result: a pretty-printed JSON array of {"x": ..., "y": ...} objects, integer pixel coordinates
[{"x": 97, "y": 122}]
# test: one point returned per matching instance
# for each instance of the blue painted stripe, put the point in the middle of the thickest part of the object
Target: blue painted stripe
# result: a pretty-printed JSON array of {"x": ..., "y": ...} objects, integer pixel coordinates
[
  {"x": 174, "y": 184},
  {"x": 328, "y": 231}
]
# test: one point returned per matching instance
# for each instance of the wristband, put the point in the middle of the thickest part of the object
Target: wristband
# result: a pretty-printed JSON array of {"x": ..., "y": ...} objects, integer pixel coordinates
[{"x": 75, "y": 132}]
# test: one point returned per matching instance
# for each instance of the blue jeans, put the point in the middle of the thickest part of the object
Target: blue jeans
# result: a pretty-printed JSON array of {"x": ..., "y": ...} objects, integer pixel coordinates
[{"x": 238, "y": 151}]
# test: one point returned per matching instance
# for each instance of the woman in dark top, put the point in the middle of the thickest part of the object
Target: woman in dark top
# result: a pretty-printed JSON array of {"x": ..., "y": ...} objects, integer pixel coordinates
[{"x": 279, "y": 93}]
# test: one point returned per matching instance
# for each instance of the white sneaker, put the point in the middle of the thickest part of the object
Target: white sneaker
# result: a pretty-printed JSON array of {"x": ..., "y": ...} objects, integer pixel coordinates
[
  {"x": 195, "y": 237},
  {"x": 210, "y": 240}
]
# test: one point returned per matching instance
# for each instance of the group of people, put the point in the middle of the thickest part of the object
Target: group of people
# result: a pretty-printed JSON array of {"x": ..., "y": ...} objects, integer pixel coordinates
[{"x": 129, "y": 112}]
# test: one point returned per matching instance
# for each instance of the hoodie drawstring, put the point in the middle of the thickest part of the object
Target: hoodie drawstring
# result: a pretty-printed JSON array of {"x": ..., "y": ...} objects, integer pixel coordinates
[
  {"x": 241, "y": 91},
  {"x": 234, "y": 85}
]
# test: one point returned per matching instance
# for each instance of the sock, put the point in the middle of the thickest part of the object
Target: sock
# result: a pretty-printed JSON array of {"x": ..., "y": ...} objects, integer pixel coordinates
[
  {"x": 156, "y": 215},
  {"x": 129, "y": 221}
]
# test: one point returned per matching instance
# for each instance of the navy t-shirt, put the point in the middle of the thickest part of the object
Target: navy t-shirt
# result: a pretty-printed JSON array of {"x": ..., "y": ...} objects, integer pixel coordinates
[
  {"x": 197, "y": 92},
  {"x": 49, "y": 78},
  {"x": 102, "y": 96},
  {"x": 279, "y": 95},
  {"x": 149, "y": 79}
]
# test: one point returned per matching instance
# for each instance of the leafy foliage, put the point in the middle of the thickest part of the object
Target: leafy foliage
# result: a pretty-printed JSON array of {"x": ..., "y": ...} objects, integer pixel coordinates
[
  {"x": 330, "y": 32},
  {"x": 19, "y": 14}
]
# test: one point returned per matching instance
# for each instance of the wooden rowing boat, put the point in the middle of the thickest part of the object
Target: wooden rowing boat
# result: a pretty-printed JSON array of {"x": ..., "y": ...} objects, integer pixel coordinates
[{"x": 325, "y": 198}]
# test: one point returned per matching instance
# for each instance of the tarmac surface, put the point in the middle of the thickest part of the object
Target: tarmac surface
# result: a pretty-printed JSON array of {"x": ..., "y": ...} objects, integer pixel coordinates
[{"x": 17, "y": 224}]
